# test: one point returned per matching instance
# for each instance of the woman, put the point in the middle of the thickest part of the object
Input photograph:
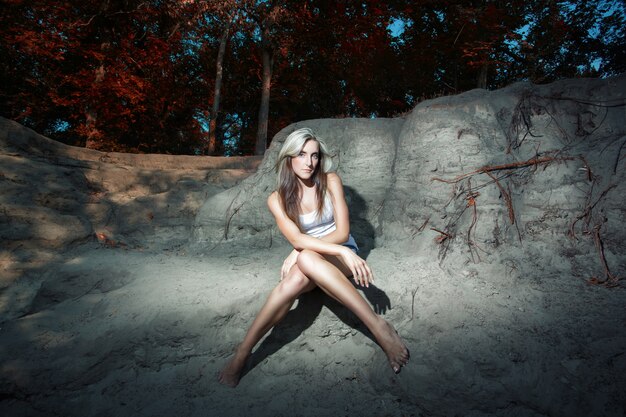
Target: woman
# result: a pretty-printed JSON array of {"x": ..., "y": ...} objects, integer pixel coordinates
[{"x": 311, "y": 212}]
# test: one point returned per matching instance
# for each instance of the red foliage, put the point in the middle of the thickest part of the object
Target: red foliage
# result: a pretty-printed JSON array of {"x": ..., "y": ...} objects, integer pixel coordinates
[
  {"x": 103, "y": 68},
  {"x": 138, "y": 75}
]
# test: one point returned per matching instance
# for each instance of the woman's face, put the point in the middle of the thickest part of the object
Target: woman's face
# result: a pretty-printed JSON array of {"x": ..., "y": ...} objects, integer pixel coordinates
[{"x": 306, "y": 161}]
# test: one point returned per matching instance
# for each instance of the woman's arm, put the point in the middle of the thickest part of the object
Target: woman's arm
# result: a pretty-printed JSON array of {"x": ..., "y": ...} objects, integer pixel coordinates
[
  {"x": 293, "y": 234},
  {"x": 342, "y": 218},
  {"x": 288, "y": 263},
  {"x": 342, "y": 221},
  {"x": 360, "y": 270}
]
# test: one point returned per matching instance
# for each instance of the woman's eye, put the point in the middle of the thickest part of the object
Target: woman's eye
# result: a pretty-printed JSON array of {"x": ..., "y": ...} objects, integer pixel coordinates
[{"x": 315, "y": 156}]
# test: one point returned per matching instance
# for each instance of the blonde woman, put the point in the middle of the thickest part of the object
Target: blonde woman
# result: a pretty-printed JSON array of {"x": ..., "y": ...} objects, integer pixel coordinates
[{"x": 311, "y": 212}]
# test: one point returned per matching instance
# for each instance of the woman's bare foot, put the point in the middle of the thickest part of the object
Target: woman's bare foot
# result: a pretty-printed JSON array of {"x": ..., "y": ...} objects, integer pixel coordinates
[
  {"x": 231, "y": 373},
  {"x": 389, "y": 340}
]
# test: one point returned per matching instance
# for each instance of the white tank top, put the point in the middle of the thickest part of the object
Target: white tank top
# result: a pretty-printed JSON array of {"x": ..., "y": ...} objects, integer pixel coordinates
[{"x": 318, "y": 227}]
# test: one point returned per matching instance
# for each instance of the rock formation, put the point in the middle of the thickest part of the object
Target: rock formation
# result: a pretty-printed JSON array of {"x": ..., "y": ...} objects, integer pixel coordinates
[
  {"x": 54, "y": 197},
  {"x": 467, "y": 177}
]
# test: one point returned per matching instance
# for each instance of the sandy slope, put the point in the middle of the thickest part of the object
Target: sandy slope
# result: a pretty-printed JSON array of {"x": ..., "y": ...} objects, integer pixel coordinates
[
  {"x": 140, "y": 324},
  {"x": 135, "y": 333}
]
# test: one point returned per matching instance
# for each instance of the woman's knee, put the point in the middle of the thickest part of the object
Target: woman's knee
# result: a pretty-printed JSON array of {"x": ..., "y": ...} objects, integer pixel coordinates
[
  {"x": 308, "y": 261},
  {"x": 294, "y": 283}
]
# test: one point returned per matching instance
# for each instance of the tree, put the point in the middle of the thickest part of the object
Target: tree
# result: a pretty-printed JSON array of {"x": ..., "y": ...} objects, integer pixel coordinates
[
  {"x": 226, "y": 13},
  {"x": 268, "y": 17},
  {"x": 189, "y": 76},
  {"x": 103, "y": 77}
]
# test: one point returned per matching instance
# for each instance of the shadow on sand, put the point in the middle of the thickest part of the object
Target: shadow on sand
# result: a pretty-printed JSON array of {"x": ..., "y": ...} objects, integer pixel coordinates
[{"x": 299, "y": 319}]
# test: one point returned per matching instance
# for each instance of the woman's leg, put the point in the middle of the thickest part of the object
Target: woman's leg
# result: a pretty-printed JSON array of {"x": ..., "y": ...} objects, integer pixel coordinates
[
  {"x": 276, "y": 307},
  {"x": 329, "y": 273}
]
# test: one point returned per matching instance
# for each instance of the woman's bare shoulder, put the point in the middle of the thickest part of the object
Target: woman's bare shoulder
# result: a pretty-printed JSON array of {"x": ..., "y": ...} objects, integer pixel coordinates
[
  {"x": 333, "y": 179},
  {"x": 272, "y": 198},
  {"x": 334, "y": 184},
  {"x": 273, "y": 201}
]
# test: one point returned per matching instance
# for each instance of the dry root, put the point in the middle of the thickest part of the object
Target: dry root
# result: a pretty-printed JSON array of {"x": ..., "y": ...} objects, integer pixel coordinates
[
  {"x": 491, "y": 168},
  {"x": 609, "y": 280}
]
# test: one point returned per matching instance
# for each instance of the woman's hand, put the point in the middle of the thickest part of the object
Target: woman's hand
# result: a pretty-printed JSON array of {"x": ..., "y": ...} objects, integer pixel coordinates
[
  {"x": 361, "y": 272},
  {"x": 288, "y": 263}
]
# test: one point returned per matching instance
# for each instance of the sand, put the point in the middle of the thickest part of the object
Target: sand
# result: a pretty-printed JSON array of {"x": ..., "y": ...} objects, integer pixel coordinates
[{"x": 125, "y": 332}]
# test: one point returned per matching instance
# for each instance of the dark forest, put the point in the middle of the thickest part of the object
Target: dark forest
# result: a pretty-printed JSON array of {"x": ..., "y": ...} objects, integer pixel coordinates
[{"x": 222, "y": 77}]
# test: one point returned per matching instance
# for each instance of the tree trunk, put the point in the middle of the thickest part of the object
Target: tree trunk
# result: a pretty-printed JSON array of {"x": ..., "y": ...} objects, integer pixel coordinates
[
  {"x": 217, "y": 91},
  {"x": 91, "y": 117},
  {"x": 264, "y": 109},
  {"x": 482, "y": 77}
]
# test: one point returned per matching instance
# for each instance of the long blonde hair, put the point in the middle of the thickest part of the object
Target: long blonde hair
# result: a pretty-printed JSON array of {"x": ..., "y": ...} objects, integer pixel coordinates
[{"x": 288, "y": 185}]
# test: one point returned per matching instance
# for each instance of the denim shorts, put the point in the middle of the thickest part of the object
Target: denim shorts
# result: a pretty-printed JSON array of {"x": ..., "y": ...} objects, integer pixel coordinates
[{"x": 351, "y": 243}]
